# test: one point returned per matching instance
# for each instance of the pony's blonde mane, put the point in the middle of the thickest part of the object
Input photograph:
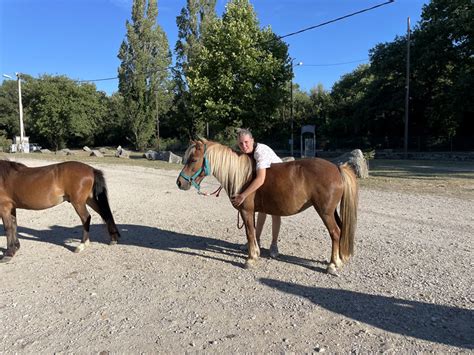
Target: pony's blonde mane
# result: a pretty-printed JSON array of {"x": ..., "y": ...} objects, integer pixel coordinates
[{"x": 231, "y": 169}]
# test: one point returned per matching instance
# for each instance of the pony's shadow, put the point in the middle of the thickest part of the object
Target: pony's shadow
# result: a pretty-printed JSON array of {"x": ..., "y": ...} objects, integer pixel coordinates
[
  {"x": 156, "y": 238},
  {"x": 437, "y": 323},
  {"x": 137, "y": 235}
]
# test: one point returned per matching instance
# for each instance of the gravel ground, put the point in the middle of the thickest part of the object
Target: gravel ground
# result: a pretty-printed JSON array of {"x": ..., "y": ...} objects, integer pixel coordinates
[{"x": 175, "y": 281}]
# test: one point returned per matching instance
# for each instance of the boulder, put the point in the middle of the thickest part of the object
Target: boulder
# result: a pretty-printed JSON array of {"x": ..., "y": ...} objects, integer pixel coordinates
[
  {"x": 357, "y": 160},
  {"x": 96, "y": 153},
  {"x": 167, "y": 156},
  {"x": 65, "y": 151},
  {"x": 285, "y": 159},
  {"x": 45, "y": 151},
  {"x": 103, "y": 150},
  {"x": 86, "y": 148},
  {"x": 122, "y": 153}
]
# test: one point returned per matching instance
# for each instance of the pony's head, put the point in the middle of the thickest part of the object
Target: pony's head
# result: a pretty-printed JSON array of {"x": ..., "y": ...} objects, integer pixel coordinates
[{"x": 196, "y": 166}]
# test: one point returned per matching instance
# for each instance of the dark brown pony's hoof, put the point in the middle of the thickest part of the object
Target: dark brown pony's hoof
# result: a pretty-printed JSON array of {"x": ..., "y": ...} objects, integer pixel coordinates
[{"x": 6, "y": 259}]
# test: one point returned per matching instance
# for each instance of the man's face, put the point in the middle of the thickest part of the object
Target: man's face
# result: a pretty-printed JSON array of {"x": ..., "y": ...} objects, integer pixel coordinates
[{"x": 246, "y": 144}]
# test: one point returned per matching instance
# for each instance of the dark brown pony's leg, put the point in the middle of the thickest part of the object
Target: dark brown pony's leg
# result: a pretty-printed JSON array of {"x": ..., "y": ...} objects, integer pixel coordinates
[
  {"x": 9, "y": 223},
  {"x": 253, "y": 250},
  {"x": 86, "y": 221},
  {"x": 111, "y": 227},
  {"x": 100, "y": 204}
]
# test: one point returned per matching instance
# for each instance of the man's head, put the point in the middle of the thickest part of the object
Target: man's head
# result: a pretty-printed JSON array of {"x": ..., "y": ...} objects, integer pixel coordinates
[{"x": 245, "y": 140}]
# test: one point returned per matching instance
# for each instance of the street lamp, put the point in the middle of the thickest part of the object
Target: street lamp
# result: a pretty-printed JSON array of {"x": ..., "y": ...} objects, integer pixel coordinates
[
  {"x": 291, "y": 102},
  {"x": 22, "y": 128}
]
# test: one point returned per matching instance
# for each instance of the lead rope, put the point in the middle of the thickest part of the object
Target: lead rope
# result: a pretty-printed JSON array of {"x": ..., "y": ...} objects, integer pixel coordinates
[{"x": 217, "y": 192}]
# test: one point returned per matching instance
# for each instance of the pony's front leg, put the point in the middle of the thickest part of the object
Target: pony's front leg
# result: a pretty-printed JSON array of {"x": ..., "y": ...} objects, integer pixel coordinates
[{"x": 253, "y": 248}]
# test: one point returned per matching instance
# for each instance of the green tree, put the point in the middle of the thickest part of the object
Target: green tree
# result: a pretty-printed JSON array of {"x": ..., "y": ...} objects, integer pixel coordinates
[
  {"x": 191, "y": 23},
  {"x": 9, "y": 115},
  {"x": 238, "y": 78},
  {"x": 62, "y": 112},
  {"x": 143, "y": 74}
]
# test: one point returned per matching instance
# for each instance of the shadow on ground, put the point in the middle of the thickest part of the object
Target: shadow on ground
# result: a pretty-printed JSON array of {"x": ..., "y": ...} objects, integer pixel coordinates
[
  {"x": 441, "y": 324},
  {"x": 156, "y": 238}
]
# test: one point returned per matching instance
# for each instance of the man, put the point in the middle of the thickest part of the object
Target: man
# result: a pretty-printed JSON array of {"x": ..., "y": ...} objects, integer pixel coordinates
[{"x": 264, "y": 157}]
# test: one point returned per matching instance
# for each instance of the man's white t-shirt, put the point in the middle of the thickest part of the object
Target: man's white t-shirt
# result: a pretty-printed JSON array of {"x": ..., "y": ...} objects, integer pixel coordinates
[{"x": 265, "y": 156}]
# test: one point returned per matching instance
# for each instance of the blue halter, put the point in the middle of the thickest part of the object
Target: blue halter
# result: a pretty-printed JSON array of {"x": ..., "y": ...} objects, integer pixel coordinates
[{"x": 206, "y": 169}]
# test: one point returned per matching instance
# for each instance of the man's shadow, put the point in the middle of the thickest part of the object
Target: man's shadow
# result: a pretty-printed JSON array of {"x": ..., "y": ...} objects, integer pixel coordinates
[{"x": 437, "y": 323}]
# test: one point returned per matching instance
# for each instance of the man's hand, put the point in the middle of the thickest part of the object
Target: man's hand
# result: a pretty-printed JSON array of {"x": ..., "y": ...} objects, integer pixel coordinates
[{"x": 237, "y": 200}]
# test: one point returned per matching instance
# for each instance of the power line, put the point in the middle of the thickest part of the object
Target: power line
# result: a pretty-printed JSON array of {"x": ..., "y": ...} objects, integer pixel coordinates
[
  {"x": 289, "y": 35},
  {"x": 335, "y": 20},
  {"x": 334, "y": 64}
]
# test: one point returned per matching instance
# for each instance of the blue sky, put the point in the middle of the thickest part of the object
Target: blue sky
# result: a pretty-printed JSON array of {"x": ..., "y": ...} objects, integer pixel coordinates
[{"x": 81, "y": 38}]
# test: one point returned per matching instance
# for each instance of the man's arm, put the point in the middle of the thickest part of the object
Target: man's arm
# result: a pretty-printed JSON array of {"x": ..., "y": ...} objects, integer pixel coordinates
[{"x": 254, "y": 185}]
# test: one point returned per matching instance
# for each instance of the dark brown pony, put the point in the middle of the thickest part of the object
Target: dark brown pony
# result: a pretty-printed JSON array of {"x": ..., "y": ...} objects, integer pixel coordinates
[
  {"x": 47, "y": 186},
  {"x": 289, "y": 188}
]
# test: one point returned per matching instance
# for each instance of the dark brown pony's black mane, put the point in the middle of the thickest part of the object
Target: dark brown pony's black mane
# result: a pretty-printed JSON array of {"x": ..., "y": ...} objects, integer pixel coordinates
[{"x": 6, "y": 166}]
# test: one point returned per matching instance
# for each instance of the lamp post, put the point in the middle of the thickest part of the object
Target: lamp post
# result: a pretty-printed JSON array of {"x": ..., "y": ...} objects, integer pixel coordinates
[
  {"x": 291, "y": 104},
  {"x": 22, "y": 128}
]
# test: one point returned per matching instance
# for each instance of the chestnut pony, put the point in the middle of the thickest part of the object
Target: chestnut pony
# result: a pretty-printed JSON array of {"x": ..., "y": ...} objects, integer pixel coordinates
[
  {"x": 47, "y": 186},
  {"x": 289, "y": 188}
]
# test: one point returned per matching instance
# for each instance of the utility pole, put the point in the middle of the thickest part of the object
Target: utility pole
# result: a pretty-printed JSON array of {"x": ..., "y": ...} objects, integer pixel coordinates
[
  {"x": 407, "y": 92},
  {"x": 20, "y": 107}
]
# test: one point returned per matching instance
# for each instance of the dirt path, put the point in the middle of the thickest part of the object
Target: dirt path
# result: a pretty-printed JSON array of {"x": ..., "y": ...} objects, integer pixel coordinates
[{"x": 175, "y": 281}]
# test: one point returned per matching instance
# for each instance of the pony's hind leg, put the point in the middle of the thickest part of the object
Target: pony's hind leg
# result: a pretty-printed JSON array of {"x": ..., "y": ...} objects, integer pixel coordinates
[
  {"x": 335, "y": 233},
  {"x": 86, "y": 222},
  {"x": 9, "y": 223},
  {"x": 107, "y": 217}
]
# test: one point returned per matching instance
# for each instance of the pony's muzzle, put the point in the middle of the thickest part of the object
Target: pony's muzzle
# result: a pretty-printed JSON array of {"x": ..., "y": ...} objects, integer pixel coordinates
[{"x": 183, "y": 185}]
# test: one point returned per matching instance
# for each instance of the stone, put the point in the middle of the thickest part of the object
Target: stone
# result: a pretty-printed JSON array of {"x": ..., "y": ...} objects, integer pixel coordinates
[
  {"x": 86, "y": 148},
  {"x": 167, "y": 156},
  {"x": 122, "y": 153},
  {"x": 96, "y": 153}
]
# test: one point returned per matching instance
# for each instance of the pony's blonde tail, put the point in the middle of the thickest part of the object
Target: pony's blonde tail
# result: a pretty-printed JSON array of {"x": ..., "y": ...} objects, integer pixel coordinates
[{"x": 348, "y": 211}]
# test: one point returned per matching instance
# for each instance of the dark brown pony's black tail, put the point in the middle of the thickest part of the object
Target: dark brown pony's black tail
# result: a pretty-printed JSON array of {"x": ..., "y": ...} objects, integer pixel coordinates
[{"x": 100, "y": 196}]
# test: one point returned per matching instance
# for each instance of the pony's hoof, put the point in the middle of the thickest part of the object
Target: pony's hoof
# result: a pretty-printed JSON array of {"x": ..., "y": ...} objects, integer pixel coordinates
[
  {"x": 79, "y": 248},
  {"x": 113, "y": 242},
  {"x": 250, "y": 263},
  {"x": 331, "y": 270},
  {"x": 6, "y": 259},
  {"x": 274, "y": 252}
]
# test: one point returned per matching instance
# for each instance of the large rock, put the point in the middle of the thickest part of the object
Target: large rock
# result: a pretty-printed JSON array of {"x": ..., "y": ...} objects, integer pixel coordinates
[
  {"x": 122, "y": 153},
  {"x": 65, "y": 151},
  {"x": 357, "y": 160},
  {"x": 167, "y": 156},
  {"x": 285, "y": 159},
  {"x": 96, "y": 153}
]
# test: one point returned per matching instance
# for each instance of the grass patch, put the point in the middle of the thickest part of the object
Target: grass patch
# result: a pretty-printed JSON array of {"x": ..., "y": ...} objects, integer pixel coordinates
[{"x": 445, "y": 178}]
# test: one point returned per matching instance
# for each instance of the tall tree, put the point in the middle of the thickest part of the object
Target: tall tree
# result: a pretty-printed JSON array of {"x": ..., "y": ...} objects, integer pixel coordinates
[
  {"x": 143, "y": 74},
  {"x": 238, "y": 78},
  {"x": 192, "y": 22}
]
